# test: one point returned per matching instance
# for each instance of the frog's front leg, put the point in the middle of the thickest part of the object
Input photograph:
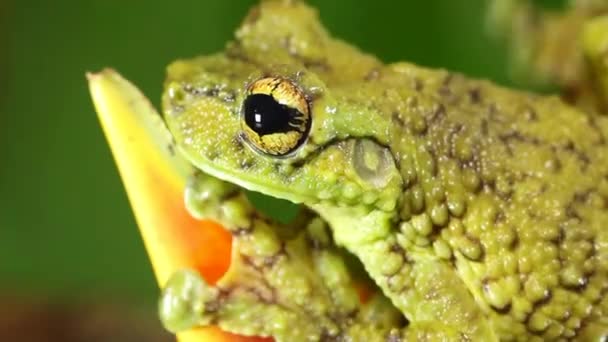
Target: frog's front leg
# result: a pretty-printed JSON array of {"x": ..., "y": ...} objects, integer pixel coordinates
[
  {"x": 426, "y": 289},
  {"x": 293, "y": 287}
]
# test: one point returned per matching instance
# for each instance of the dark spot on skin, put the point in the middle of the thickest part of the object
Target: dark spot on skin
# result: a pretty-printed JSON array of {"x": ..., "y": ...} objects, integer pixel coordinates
[
  {"x": 227, "y": 96},
  {"x": 437, "y": 115},
  {"x": 230, "y": 195},
  {"x": 247, "y": 164},
  {"x": 418, "y": 84},
  {"x": 494, "y": 115},
  {"x": 556, "y": 163},
  {"x": 270, "y": 261},
  {"x": 515, "y": 243},
  {"x": 327, "y": 337},
  {"x": 571, "y": 211},
  {"x": 504, "y": 310},
  {"x": 298, "y": 163},
  {"x": 484, "y": 127},
  {"x": 475, "y": 95},
  {"x": 211, "y": 92},
  {"x": 395, "y": 248},
  {"x": 237, "y": 142},
  {"x": 247, "y": 260},
  {"x": 277, "y": 168},
  {"x": 188, "y": 88},
  {"x": 214, "y": 91},
  {"x": 212, "y": 306},
  {"x": 318, "y": 65},
  {"x": 446, "y": 90},
  {"x": 411, "y": 101},
  {"x": 212, "y": 155},
  {"x": 447, "y": 80},
  {"x": 515, "y": 135},
  {"x": 446, "y": 93},
  {"x": 580, "y": 155},
  {"x": 171, "y": 149},
  {"x": 315, "y": 244},
  {"x": 561, "y": 235},
  {"x": 508, "y": 138},
  {"x": 262, "y": 297},
  {"x": 584, "y": 158},
  {"x": 397, "y": 119},
  {"x": 451, "y": 138},
  {"x": 530, "y": 114},
  {"x": 500, "y": 217},
  {"x": 434, "y": 165},
  {"x": 582, "y": 197}
]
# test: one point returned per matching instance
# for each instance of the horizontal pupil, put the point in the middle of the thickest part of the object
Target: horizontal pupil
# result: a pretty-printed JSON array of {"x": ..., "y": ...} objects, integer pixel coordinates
[{"x": 264, "y": 115}]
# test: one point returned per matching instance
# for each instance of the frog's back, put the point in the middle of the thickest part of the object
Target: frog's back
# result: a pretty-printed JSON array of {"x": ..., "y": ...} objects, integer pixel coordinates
[{"x": 514, "y": 188}]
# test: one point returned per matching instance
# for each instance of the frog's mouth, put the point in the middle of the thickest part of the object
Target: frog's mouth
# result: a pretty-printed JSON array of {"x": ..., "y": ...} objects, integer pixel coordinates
[{"x": 347, "y": 173}]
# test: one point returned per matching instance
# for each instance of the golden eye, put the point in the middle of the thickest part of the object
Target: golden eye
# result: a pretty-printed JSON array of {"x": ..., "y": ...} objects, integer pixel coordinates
[{"x": 275, "y": 116}]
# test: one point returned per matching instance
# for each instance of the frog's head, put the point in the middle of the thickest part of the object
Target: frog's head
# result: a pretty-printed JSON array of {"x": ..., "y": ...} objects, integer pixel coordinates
[{"x": 279, "y": 112}]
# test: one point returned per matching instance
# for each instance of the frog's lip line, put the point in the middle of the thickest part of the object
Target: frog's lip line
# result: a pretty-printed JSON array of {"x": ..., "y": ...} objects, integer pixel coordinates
[{"x": 250, "y": 184}]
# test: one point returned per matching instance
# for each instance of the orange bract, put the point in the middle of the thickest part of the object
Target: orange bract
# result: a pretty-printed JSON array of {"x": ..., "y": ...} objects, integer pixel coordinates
[{"x": 154, "y": 178}]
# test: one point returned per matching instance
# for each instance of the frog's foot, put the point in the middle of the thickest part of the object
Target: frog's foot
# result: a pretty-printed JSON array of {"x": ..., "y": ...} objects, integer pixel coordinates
[
  {"x": 546, "y": 44},
  {"x": 428, "y": 291},
  {"x": 292, "y": 286},
  {"x": 294, "y": 290},
  {"x": 425, "y": 288}
]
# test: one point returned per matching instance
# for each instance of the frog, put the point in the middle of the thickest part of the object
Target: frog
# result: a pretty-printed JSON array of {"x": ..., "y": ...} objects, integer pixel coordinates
[{"x": 476, "y": 210}]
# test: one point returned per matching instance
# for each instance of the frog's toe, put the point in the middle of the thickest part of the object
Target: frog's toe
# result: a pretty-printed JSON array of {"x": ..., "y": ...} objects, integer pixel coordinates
[
  {"x": 186, "y": 301},
  {"x": 207, "y": 197}
]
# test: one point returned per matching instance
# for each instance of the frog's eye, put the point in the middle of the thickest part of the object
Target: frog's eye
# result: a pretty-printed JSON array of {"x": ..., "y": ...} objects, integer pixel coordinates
[{"x": 275, "y": 116}]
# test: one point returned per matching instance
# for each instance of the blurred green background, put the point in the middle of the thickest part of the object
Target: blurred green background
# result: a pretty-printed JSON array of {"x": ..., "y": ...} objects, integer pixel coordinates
[{"x": 67, "y": 234}]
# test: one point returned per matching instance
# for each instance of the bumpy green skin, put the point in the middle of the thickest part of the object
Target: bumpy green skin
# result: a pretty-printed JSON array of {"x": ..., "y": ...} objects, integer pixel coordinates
[{"x": 479, "y": 211}]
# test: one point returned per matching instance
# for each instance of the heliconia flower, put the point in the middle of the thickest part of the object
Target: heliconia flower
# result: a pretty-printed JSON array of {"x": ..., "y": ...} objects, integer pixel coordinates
[{"x": 154, "y": 177}]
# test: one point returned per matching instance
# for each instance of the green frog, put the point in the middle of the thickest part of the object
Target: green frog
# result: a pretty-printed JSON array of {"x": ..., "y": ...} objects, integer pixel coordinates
[{"x": 477, "y": 211}]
